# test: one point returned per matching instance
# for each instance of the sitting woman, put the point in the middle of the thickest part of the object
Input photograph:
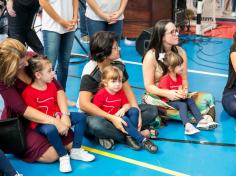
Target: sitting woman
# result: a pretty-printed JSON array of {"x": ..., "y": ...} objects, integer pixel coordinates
[
  {"x": 229, "y": 101},
  {"x": 165, "y": 39},
  {"x": 13, "y": 81},
  {"x": 100, "y": 124}
]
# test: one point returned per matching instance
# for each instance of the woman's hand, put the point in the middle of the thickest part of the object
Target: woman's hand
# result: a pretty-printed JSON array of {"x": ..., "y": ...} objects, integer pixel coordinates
[
  {"x": 118, "y": 123},
  {"x": 10, "y": 9},
  {"x": 61, "y": 127},
  {"x": 68, "y": 24},
  {"x": 66, "y": 120},
  {"x": 174, "y": 95}
]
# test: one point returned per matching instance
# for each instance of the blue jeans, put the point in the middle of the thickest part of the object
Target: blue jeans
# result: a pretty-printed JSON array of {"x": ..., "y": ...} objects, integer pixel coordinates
[
  {"x": 131, "y": 118},
  {"x": 83, "y": 25},
  {"x": 51, "y": 132},
  {"x": 101, "y": 128},
  {"x": 233, "y": 5},
  {"x": 229, "y": 103},
  {"x": 183, "y": 106},
  {"x": 96, "y": 26},
  {"x": 57, "y": 47},
  {"x": 5, "y": 165}
]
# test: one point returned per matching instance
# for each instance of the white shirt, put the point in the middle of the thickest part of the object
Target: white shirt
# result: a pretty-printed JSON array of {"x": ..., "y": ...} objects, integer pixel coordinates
[
  {"x": 64, "y": 8},
  {"x": 107, "y": 6}
]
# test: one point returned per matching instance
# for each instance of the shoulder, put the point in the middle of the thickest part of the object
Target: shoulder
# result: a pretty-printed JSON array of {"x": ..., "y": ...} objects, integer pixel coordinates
[
  {"x": 89, "y": 67},
  {"x": 150, "y": 55},
  {"x": 119, "y": 63},
  {"x": 181, "y": 51}
]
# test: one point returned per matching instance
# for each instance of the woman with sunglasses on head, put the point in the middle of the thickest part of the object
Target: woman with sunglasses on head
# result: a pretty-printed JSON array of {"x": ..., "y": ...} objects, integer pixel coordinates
[
  {"x": 13, "y": 81},
  {"x": 165, "y": 39}
]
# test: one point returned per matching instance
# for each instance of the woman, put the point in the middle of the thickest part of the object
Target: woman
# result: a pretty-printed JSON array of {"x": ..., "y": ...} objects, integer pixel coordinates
[
  {"x": 103, "y": 15},
  {"x": 59, "y": 22},
  {"x": 163, "y": 40},
  {"x": 13, "y": 81},
  {"x": 106, "y": 127},
  {"x": 21, "y": 15},
  {"x": 229, "y": 101}
]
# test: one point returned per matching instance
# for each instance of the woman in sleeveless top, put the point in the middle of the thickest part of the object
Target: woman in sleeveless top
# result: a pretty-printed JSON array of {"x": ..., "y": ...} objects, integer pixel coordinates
[{"x": 163, "y": 40}]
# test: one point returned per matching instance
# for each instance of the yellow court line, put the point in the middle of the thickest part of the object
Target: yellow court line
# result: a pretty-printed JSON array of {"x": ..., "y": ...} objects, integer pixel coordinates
[{"x": 135, "y": 162}]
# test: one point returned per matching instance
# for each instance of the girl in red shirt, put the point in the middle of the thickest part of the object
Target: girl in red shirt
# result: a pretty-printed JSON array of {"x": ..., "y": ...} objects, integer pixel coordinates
[
  {"x": 173, "y": 81},
  {"x": 41, "y": 94},
  {"x": 112, "y": 99}
]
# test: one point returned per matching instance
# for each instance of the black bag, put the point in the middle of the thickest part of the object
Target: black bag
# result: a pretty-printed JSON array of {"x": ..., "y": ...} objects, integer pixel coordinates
[{"x": 12, "y": 137}]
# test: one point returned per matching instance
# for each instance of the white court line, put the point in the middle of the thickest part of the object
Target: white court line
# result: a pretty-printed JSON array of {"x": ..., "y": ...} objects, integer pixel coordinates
[{"x": 189, "y": 70}]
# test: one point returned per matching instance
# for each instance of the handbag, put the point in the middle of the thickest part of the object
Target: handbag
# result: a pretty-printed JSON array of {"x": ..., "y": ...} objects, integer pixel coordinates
[{"x": 12, "y": 137}]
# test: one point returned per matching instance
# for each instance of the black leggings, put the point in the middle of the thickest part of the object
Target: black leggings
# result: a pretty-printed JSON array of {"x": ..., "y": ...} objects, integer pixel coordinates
[{"x": 229, "y": 103}]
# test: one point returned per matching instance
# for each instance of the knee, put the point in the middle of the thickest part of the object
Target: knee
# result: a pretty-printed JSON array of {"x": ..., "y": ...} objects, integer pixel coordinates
[
  {"x": 51, "y": 129},
  {"x": 49, "y": 156},
  {"x": 126, "y": 119},
  {"x": 96, "y": 123},
  {"x": 134, "y": 111}
]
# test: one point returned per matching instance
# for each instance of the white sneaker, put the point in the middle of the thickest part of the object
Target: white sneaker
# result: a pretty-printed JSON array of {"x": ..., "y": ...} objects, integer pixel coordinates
[
  {"x": 65, "y": 164},
  {"x": 208, "y": 118},
  {"x": 190, "y": 129},
  {"x": 233, "y": 14},
  {"x": 18, "y": 174},
  {"x": 206, "y": 124},
  {"x": 81, "y": 154}
]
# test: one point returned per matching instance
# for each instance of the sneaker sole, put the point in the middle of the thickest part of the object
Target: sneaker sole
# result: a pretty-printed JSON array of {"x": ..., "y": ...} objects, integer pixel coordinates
[{"x": 212, "y": 126}]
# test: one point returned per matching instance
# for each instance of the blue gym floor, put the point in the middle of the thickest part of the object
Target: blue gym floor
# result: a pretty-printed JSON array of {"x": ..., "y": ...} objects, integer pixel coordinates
[{"x": 207, "y": 153}]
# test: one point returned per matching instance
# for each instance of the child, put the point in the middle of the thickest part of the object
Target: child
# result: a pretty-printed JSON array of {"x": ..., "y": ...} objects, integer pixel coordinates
[
  {"x": 111, "y": 98},
  {"x": 173, "y": 81},
  {"x": 42, "y": 95}
]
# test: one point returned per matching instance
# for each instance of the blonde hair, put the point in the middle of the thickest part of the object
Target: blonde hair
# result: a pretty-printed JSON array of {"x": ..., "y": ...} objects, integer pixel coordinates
[
  {"x": 111, "y": 73},
  {"x": 173, "y": 60},
  {"x": 11, "y": 51}
]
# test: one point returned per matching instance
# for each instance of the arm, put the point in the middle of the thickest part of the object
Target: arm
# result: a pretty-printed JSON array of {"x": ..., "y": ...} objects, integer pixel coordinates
[
  {"x": 10, "y": 9},
  {"x": 115, "y": 15},
  {"x": 87, "y": 106},
  {"x": 94, "y": 6},
  {"x": 185, "y": 72},
  {"x": 233, "y": 60},
  {"x": 149, "y": 68},
  {"x": 129, "y": 94},
  {"x": 69, "y": 25},
  {"x": 62, "y": 103},
  {"x": 75, "y": 11},
  {"x": 18, "y": 106}
]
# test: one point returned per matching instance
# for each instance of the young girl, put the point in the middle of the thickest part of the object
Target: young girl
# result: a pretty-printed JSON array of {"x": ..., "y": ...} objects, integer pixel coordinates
[
  {"x": 42, "y": 95},
  {"x": 173, "y": 81},
  {"x": 111, "y": 98}
]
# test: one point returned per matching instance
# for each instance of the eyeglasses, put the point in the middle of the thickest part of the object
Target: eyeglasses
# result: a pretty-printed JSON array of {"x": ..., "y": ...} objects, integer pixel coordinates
[
  {"x": 173, "y": 32},
  {"x": 116, "y": 47}
]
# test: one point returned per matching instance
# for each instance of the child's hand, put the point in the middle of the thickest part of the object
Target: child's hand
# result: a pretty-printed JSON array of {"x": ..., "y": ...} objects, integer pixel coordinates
[{"x": 120, "y": 113}]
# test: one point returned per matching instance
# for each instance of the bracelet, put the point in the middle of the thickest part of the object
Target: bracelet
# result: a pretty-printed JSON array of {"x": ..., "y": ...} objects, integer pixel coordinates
[{"x": 65, "y": 113}]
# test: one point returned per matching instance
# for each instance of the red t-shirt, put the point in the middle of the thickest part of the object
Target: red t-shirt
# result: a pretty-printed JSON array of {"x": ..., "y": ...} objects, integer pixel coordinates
[
  {"x": 42, "y": 100},
  {"x": 166, "y": 82},
  {"x": 108, "y": 102}
]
